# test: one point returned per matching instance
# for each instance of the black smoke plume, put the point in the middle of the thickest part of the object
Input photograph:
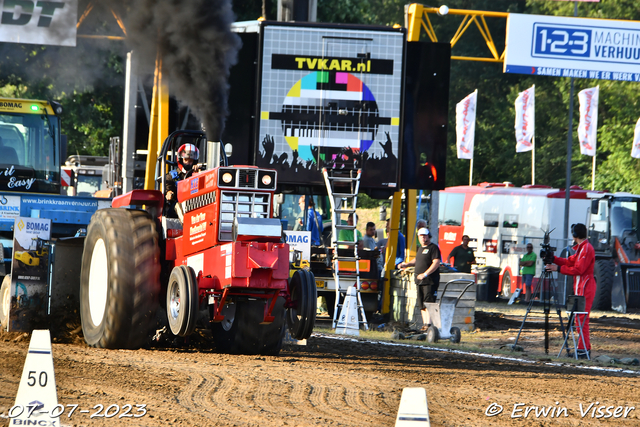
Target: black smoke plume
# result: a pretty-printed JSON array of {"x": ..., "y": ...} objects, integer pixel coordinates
[{"x": 197, "y": 48}]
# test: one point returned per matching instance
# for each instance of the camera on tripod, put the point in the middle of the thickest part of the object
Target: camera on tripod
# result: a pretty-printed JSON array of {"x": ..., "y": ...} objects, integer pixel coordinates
[{"x": 546, "y": 250}]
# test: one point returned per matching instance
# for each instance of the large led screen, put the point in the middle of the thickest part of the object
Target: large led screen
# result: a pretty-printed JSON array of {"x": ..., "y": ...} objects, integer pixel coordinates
[{"x": 330, "y": 97}]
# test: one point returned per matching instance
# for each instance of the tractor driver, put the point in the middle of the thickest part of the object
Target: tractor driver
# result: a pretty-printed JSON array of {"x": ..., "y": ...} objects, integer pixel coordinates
[{"x": 188, "y": 155}]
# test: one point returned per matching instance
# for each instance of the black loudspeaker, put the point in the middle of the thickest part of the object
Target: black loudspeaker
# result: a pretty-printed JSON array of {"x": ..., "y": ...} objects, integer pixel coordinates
[{"x": 426, "y": 114}]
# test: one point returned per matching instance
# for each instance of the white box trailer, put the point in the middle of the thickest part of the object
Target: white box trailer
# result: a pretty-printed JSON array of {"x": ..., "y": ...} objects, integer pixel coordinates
[{"x": 501, "y": 219}]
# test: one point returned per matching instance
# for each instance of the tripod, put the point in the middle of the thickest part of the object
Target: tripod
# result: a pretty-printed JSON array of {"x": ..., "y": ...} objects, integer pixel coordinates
[
  {"x": 545, "y": 294},
  {"x": 577, "y": 303}
]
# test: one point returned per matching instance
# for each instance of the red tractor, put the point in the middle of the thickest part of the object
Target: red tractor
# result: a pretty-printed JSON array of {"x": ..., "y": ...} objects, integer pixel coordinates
[{"x": 224, "y": 252}]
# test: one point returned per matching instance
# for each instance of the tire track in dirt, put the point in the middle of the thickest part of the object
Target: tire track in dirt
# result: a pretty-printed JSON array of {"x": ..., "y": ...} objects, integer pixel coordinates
[
  {"x": 268, "y": 397},
  {"x": 195, "y": 395},
  {"x": 372, "y": 401},
  {"x": 338, "y": 403},
  {"x": 224, "y": 395},
  {"x": 299, "y": 398}
]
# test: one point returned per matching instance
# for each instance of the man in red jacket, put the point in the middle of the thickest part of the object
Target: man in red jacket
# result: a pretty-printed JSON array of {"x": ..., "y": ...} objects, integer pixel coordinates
[{"x": 581, "y": 266}]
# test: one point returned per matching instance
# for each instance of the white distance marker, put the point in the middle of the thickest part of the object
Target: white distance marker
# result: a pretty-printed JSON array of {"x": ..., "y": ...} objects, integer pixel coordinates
[
  {"x": 413, "y": 410},
  {"x": 37, "y": 394}
]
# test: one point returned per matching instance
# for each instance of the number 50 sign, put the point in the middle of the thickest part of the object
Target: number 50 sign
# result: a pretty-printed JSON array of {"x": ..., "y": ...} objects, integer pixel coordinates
[{"x": 573, "y": 47}]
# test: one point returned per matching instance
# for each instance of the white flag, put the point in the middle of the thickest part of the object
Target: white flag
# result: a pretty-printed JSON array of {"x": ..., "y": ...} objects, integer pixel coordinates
[
  {"x": 635, "y": 148},
  {"x": 588, "y": 127},
  {"x": 525, "y": 120},
  {"x": 466, "y": 125}
]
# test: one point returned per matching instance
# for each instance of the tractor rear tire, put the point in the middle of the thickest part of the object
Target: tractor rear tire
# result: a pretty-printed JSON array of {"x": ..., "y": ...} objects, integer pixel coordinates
[
  {"x": 603, "y": 272},
  {"x": 245, "y": 335},
  {"x": 5, "y": 301},
  {"x": 224, "y": 332},
  {"x": 120, "y": 279}
]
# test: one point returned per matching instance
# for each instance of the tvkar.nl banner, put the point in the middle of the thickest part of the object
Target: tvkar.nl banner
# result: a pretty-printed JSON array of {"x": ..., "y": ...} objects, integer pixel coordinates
[
  {"x": 29, "y": 274},
  {"x": 573, "y": 47},
  {"x": 466, "y": 125}
]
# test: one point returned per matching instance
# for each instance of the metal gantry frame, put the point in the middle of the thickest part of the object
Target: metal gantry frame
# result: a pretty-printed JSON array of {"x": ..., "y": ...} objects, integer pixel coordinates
[
  {"x": 159, "y": 114},
  {"x": 118, "y": 18},
  {"x": 417, "y": 18}
]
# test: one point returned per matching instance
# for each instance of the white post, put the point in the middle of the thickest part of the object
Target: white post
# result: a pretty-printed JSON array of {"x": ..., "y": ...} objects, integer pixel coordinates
[
  {"x": 593, "y": 174},
  {"x": 129, "y": 128},
  {"x": 471, "y": 172},
  {"x": 533, "y": 162}
]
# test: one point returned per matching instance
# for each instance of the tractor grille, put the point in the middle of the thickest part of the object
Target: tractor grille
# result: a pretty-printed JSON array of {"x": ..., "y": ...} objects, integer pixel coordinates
[
  {"x": 199, "y": 202},
  {"x": 633, "y": 277},
  {"x": 247, "y": 178},
  {"x": 237, "y": 203}
]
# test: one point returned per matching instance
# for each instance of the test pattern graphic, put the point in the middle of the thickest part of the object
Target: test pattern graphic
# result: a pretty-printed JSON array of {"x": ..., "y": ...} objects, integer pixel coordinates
[{"x": 330, "y": 97}]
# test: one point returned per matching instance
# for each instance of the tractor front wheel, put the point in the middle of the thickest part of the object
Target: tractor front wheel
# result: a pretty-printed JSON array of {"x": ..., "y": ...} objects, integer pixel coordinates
[
  {"x": 303, "y": 295},
  {"x": 182, "y": 301},
  {"x": 119, "y": 282}
]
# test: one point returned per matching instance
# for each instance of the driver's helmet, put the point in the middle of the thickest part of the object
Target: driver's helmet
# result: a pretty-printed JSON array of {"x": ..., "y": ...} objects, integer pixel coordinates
[{"x": 188, "y": 151}]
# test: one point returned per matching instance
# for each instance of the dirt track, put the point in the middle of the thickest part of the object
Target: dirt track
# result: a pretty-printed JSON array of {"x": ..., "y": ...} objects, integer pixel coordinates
[{"x": 329, "y": 382}]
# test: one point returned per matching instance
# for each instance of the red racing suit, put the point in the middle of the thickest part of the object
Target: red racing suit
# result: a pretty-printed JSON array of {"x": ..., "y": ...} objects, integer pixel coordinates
[{"x": 581, "y": 266}]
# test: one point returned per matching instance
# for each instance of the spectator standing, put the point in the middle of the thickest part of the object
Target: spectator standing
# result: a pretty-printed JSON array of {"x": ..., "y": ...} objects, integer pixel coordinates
[
  {"x": 462, "y": 256},
  {"x": 369, "y": 243},
  {"x": 427, "y": 272},
  {"x": 528, "y": 270},
  {"x": 314, "y": 220},
  {"x": 347, "y": 235}
]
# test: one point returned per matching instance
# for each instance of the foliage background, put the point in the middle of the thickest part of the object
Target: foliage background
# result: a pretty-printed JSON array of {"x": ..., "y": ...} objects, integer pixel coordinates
[{"x": 89, "y": 81}]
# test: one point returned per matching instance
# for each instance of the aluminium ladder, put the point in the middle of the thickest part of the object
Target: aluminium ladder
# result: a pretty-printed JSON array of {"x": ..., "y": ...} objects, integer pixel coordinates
[{"x": 342, "y": 187}]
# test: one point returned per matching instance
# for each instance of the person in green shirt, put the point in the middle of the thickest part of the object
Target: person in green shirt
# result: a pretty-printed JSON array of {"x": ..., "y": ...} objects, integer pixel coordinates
[
  {"x": 347, "y": 235},
  {"x": 528, "y": 269}
]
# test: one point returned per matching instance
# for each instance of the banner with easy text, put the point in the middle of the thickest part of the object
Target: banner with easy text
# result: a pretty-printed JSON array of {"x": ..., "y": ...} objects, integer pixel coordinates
[
  {"x": 466, "y": 125},
  {"x": 525, "y": 120},
  {"x": 39, "y": 22},
  {"x": 635, "y": 148},
  {"x": 588, "y": 127}
]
